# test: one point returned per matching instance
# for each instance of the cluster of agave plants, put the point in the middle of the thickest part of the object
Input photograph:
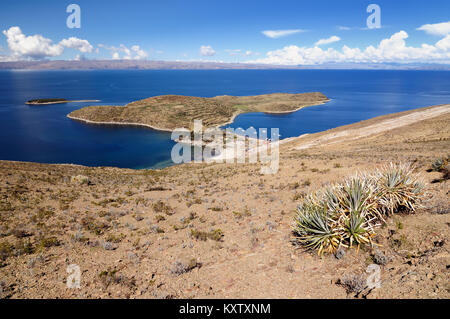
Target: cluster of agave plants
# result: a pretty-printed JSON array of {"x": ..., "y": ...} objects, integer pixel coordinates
[{"x": 346, "y": 214}]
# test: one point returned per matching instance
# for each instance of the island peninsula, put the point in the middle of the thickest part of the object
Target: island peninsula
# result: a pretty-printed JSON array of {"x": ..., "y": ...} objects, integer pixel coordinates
[{"x": 168, "y": 112}]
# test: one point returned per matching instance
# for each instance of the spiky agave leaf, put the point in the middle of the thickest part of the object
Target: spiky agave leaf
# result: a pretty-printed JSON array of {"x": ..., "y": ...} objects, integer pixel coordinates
[
  {"x": 358, "y": 196},
  {"x": 331, "y": 197},
  {"x": 357, "y": 229},
  {"x": 346, "y": 214},
  {"x": 397, "y": 186},
  {"x": 314, "y": 229}
]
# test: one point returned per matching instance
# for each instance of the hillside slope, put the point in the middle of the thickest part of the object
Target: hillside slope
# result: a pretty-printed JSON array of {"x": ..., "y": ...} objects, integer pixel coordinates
[{"x": 221, "y": 230}]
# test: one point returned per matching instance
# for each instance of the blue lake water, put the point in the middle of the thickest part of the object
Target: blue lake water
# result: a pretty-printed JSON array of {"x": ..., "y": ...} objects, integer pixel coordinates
[{"x": 44, "y": 133}]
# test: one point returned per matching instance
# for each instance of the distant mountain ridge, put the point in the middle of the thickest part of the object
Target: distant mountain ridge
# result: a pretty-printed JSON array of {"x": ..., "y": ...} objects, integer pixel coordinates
[
  {"x": 200, "y": 65},
  {"x": 131, "y": 64}
]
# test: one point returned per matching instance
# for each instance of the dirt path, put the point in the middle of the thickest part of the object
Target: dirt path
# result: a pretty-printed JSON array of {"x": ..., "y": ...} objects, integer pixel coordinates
[{"x": 384, "y": 125}]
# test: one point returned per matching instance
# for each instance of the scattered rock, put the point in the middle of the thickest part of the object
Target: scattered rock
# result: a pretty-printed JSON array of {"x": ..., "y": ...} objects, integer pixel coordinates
[
  {"x": 340, "y": 253},
  {"x": 380, "y": 258},
  {"x": 109, "y": 246}
]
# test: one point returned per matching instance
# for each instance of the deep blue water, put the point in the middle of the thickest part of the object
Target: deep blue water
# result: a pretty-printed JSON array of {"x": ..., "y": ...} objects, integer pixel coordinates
[{"x": 44, "y": 133}]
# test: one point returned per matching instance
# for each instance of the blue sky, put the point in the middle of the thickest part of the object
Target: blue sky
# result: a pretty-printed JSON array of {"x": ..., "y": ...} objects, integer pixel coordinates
[{"x": 176, "y": 30}]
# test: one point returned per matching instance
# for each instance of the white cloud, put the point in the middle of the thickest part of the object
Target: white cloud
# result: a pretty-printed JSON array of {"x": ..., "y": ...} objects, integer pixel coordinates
[
  {"x": 444, "y": 44},
  {"x": 280, "y": 33},
  {"x": 393, "y": 49},
  {"x": 343, "y": 28},
  {"x": 74, "y": 43},
  {"x": 436, "y": 29},
  {"x": 207, "y": 50},
  {"x": 115, "y": 56},
  {"x": 35, "y": 46},
  {"x": 122, "y": 52},
  {"x": 140, "y": 54},
  {"x": 328, "y": 40},
  {"x": 38, "y": 47}
]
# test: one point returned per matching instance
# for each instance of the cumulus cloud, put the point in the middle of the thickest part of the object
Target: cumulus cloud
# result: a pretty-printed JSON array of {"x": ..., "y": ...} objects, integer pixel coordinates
[
  {"x": 207, "y": 50},
  {"x": 34, "y": 46},
  {"x": 436, "y": 29},
  {"x": 139, "y": 53},
  {"x": 115, "y": 56},
  {"x": 328, "y": 40},
  {"x": 393, "y": 49},
  {"x": 74, "y": 43},
  {"x": 280, "y": 33},
  {"x": 122, "y": 52},
  {"x": 444, "y": 44},
  {"x": 39, "y": 47}
]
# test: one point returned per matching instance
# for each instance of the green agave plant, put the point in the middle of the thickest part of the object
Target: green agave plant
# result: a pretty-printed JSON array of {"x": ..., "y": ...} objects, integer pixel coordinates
[
  {"x": 346, "y": 214},
  {"x": 331, "y": 197},
  {"x": 397, "y": 186},
  {"x": 314, "y": 229},
  {"x": 357, "y": 229},
  {"x": 359, "y": 197}
]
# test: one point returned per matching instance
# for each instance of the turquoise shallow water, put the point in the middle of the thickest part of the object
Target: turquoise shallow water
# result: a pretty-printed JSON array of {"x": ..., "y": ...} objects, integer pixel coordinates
[{"x": 44, "y": 134}]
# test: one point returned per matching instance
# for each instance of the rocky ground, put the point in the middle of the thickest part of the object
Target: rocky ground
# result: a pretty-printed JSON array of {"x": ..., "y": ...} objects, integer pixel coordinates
[{"x": 222, "y": 230}]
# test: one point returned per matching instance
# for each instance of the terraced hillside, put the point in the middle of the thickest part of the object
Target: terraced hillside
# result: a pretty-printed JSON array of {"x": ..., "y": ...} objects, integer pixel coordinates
[{"x": 168, "y": 112}]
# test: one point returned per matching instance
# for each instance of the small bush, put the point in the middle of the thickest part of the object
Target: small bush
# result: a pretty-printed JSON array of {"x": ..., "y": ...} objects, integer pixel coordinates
[
  {"x": 353, "y": 283},
  {"x": 47, "y": 242},
  {"x": 161, "y": 207},
  {"x": 111, "y": 276},
  {"x": 6, "y": 250},
  {"x": 215, "y": 234},
  {"x": 438, "y": 164},
  {"x": 180, "y": 267},
  {"x": 94, "y": 226}
]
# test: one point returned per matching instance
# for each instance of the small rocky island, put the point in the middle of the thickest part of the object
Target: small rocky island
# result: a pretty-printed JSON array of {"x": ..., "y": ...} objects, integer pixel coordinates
[
  {"x": 46, "y": 101},
  {"x": 55, "y": 101},
  {"x": 168, "y": 112}
]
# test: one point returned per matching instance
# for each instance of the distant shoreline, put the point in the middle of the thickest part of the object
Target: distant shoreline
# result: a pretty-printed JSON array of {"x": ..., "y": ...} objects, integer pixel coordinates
[
  {"x": 90, "y": 65},
  {"x": 118, "y": 123}
]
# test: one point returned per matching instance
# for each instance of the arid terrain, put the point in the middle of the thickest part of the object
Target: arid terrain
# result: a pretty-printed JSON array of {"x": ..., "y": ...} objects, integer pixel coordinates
[
  {"x": 168, "y": 112},
  {"x": 225, "y": 230}
]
